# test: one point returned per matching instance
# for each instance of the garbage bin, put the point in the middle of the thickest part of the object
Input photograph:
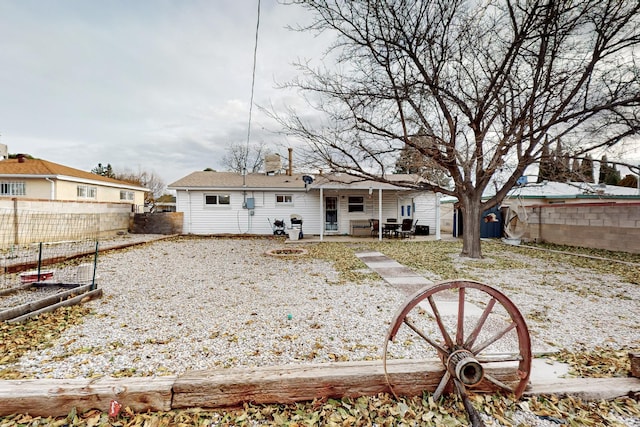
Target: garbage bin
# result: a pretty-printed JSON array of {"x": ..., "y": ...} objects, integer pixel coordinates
[{"x": 422, "y": 230}]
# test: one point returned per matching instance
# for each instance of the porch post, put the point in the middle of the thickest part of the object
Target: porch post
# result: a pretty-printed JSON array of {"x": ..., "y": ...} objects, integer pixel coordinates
[
  {"x": 380, "y": 213},
  {"x": 321, "y": 214},
  {"x": 438, "y": 215}
]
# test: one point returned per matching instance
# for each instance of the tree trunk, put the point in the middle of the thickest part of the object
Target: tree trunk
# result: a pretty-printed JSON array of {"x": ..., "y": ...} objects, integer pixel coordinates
[{"x": 470, "y": 208}]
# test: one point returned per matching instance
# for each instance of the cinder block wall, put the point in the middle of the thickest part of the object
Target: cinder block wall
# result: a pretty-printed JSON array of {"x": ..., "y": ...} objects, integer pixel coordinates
[
  {"x": 35, "y": 220},
  {"x": 611, "y": 226}
]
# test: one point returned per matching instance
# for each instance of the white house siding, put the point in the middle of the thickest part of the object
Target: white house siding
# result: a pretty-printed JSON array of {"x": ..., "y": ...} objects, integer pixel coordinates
[
  {"x": 425, "y": 210},
  {"x": 234, "y": 219}
]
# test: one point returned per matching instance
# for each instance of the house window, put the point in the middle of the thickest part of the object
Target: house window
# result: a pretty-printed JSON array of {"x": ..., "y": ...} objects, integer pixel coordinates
[
  {"x": 10, "y": 188},
  {"x": 356, "y": 204},
  {"x": 284, "y": 199},
  {"x": 217, "y": 199},
  {"x": 126, "y": 195},
  {"x": 87, "y": 192}
]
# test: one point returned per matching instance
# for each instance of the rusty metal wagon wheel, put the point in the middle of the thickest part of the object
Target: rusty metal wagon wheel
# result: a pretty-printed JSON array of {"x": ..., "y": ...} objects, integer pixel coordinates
[{"x": 477, "y": 332}]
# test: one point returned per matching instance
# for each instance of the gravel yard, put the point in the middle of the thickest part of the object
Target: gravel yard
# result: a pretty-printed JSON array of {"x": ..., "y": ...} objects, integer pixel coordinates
[{"x": 184, "y": 304}]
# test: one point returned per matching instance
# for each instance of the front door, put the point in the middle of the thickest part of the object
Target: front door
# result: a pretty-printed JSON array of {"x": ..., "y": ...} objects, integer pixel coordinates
[{"x": 331, "y": 214}]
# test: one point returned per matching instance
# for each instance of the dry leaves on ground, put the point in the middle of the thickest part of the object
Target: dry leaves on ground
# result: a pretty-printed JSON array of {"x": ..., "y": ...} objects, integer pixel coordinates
[{"x": 381, "y": 410}]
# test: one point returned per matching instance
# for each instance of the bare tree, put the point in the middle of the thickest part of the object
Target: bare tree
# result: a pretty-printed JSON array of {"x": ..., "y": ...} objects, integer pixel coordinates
[
  {"x": 242, "y": 156},
  {"x": 146, "y": 179},
  {"x": 493, "y": 83}
]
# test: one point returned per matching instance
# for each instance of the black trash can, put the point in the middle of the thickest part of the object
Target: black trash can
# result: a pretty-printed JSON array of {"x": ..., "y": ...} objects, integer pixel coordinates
[{"x": 422, "y": 230}]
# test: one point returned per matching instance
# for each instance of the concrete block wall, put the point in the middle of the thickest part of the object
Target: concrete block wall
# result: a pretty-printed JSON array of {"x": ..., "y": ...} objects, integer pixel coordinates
[
  {"x": 25, "y": 221},
  {"x": 611, "y": 226}
]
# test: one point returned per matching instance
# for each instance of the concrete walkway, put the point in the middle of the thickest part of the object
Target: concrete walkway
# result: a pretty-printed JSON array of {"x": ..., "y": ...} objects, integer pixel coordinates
[{"x": 397, "y": 275}]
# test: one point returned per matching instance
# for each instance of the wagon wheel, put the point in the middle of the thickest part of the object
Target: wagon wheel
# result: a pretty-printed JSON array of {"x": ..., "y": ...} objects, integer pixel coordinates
[{"x": 494, "y": 335}]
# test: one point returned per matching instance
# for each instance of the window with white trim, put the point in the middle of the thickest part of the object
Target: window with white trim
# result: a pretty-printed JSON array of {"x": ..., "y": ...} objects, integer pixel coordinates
[
  {"x": 217, "y": 199},
  {"x": 12, "y": 188},
  {"x": 87, "y": 192},
  {"x": 284, "y": 199},
  {"x": 356, "y": 204},
  {"x": 126, "y": 195}
]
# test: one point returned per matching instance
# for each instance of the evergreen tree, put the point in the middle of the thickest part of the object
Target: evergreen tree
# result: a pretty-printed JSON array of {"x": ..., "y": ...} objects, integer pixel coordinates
[
  {"x": 561, "y": 168},
  {"x": 586, "y": 169},
  {"x": 545, "y": 170},
  {"x": 412, "y": 160},
  {"x": 104, "y": 170},
  {"x": 608, "y": 173}
]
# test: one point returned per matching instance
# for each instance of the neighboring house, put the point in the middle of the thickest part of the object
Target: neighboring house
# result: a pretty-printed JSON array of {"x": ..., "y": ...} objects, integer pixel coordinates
[
  {"x": 26, "y": 178},
  {"x": 548, "y": 193},
  {"x": 231, "y": 203}
]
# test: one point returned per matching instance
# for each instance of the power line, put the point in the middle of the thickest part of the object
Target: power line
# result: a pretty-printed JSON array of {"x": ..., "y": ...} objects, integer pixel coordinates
[{"x": 253, "y": 83}]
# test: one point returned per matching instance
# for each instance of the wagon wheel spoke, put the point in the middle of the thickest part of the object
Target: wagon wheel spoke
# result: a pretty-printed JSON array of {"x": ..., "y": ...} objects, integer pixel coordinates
[
  {"x": 443, "y": 351},
  {"x": 460, "y": 329},
  {"x": 498, "y": 383},
  {"x": 443, "y": 330},
  {"x": 472, "y": 413},
  {"x": 441, "y": 386},
  {"x": 483, "y": 318},
  {"x": 499, "y": 358},
  {"x": 493, "y": 339}
]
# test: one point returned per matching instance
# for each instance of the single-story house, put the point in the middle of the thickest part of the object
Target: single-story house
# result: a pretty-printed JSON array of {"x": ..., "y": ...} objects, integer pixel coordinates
[
  {"x": 28, "y": 178},
  {"x": 328, "y": 204}
]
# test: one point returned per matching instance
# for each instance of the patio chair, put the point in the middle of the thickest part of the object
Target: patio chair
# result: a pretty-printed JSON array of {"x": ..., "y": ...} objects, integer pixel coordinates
[
  {"x": 375, "y": 227},
  {"x": 407, "y": 229}
]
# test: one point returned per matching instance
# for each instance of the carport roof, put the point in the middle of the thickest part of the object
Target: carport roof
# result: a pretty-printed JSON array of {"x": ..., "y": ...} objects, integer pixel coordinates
[{"x": 343, "y": 181}]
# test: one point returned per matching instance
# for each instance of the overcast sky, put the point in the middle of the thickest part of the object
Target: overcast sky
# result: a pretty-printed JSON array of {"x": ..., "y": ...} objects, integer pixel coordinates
[
  {"x": 161, "y": 86},
  {"x": 156, "y": 85}
]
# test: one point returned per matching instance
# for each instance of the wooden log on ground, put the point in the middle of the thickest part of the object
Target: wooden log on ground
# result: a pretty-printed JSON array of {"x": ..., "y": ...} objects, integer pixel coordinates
[
  {"x": 71, "y": 301},
  {"x": 233, "y": 387},
  {"x": 278, "y": 384},
  {"x": 29, "y": 307},
  {"x": 634, "y": 358},
  {"x": 52, "y": 397}
]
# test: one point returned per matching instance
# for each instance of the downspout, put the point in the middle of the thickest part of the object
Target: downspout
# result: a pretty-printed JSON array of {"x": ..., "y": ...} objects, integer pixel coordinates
[{"x": 53, "y": 189}]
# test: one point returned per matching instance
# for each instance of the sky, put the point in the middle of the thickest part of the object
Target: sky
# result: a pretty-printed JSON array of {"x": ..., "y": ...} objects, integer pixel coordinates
[{"x": 161, "y": 86}]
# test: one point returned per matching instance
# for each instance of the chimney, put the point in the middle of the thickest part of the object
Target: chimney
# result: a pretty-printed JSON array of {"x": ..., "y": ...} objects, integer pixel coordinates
[
  {"x": 290, "y": 168},
  {"x": 21, "y": 158}
]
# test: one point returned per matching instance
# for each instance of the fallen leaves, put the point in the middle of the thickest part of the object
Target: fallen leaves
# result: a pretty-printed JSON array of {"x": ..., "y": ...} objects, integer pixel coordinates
[
  {"x": 17, "y": 339},
  {"x": 597, "y": 363},
  {"x": 381, "y": 410}
]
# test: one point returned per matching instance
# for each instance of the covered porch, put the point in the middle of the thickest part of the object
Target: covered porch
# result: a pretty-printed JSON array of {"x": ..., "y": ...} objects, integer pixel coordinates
[{"x": 360, "y": 208}]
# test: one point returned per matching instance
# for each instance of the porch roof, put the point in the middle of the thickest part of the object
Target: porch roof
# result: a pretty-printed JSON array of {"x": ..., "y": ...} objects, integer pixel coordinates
[{"x": 344, "y": 182}]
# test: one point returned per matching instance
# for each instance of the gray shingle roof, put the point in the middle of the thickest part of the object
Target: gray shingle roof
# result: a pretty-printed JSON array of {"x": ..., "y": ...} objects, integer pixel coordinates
[
  {"x": 230, "y": 180},
  {"x": 210, "y": 180}
]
